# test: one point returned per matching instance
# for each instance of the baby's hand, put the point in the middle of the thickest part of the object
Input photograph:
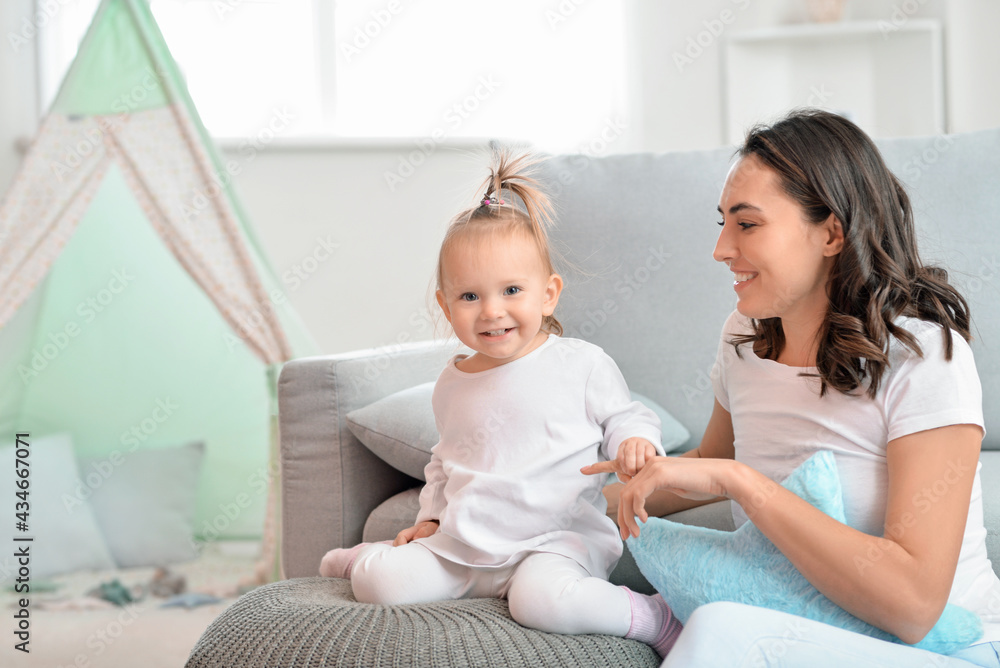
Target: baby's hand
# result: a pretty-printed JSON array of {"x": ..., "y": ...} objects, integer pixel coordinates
[
  {"x": 421, "y": 530},
  {"x": 633, "y": 454}
]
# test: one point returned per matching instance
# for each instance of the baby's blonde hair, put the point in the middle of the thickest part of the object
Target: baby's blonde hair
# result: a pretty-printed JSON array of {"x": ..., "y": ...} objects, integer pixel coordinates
[{"x": 510, "y": 175}]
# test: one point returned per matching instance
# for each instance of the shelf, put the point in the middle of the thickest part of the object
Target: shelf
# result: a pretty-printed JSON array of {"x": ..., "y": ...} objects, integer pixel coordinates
[
  {"x": 886, "y": 78},
  {"x": 833, "y": 31}
]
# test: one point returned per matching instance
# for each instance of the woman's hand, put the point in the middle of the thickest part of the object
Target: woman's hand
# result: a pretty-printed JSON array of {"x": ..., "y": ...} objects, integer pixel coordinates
[
  {"x": 421, "y": 530},
  {"x": 687, "y": 477}
]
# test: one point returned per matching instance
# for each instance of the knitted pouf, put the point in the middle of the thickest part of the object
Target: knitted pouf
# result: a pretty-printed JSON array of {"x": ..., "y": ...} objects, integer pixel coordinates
[{"x": 313, "y": 622}]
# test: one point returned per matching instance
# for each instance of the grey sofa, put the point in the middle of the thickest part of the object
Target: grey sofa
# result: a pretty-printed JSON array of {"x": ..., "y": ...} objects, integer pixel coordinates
[{"x": 637, "y": 232}]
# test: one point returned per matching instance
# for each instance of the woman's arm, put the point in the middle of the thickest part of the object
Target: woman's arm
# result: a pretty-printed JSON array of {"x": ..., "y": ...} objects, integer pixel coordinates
[
  {"x": 899, "y": 583},
  {"x": 716, "y": 443}
]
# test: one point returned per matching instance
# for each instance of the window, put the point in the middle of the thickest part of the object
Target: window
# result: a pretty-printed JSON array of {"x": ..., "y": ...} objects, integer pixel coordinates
[{"x": 550, "y": 73}]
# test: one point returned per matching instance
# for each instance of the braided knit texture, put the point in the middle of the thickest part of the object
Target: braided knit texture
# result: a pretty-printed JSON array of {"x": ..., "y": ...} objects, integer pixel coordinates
[{"x": 315, "y": 622}]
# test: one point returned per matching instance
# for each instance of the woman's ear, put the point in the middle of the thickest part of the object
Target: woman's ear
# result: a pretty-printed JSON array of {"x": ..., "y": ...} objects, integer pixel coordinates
[
  {"x": 552, "y": 291},
  {"x": 443, "y": 304},
  {"x": 835, "y": 236}
]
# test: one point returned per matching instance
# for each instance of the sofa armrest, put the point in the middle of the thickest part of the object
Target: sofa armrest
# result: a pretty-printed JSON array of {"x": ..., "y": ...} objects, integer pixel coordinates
[{"x": 330, "y": 481}]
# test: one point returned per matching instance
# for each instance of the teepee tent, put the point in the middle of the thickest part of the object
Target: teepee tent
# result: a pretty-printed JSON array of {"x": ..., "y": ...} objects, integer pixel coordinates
[{"x": 136, "y": 308}]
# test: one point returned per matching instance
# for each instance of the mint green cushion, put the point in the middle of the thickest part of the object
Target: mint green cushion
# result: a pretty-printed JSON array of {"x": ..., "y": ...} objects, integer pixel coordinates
[{"x": 691, "y": 566}]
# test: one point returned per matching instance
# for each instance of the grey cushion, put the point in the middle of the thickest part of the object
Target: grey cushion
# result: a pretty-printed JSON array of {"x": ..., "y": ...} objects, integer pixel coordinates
[
  {"x": 400, "y": 428},
  {"x": 317, "y": 622},
  {"x": 145, "y": 505}
]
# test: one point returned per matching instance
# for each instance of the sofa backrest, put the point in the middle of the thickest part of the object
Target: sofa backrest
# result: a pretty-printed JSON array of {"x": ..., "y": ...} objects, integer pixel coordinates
[{"x": 637, "y": 232}]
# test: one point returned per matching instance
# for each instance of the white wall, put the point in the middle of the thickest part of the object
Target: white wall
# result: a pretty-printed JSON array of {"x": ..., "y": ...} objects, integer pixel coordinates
[
  {"x": 374, "y": 290},
  {"x": 18, "y": 95},
  {"x": 972, "y": 54}
]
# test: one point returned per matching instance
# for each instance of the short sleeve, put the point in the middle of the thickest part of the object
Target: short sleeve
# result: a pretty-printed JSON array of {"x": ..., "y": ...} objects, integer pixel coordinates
[{"x": 929, "y": 391}]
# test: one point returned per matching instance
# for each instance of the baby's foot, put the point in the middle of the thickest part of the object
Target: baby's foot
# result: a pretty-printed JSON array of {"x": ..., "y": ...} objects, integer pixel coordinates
[
  {"x": 653, "y": 622},
  {"x": 338, "y": 563}
]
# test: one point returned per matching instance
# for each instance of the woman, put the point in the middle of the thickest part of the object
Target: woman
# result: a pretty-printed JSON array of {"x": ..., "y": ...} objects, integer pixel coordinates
[{"x": 844, "y": 341}]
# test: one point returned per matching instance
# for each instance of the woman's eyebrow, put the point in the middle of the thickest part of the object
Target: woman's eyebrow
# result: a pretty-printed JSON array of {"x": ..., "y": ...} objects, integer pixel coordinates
[{"x": 736, "y": 208}]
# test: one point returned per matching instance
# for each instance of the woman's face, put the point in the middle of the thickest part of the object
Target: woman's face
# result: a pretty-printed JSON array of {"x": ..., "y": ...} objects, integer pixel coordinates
[{"x": 780, "y": 261}]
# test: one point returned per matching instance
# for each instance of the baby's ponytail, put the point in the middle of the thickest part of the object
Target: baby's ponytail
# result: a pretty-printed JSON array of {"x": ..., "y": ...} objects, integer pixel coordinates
[{"x": 512, "y": 177}]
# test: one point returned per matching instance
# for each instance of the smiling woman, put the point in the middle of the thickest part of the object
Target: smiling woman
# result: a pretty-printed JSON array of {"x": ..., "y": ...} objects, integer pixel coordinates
[{"x": 843, "y": 341}]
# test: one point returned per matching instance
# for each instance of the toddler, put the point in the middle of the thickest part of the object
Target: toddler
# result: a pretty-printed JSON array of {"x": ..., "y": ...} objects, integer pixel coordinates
[{"x": 505, "y": 511}]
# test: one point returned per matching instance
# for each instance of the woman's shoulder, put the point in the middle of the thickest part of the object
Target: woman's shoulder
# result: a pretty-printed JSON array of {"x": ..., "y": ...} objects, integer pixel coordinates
[{"x": 931, "y": 340}]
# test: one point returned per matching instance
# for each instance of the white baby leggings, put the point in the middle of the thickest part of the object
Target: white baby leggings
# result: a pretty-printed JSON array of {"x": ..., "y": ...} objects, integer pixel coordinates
[
  {"x": 744, "y": 636},
  {"x": 545, "y": 591}
]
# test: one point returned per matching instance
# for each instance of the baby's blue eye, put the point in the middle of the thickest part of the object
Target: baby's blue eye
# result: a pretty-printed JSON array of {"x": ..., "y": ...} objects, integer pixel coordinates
[
  {"x": 512, "y": 290},
  {"x": 468, "y": 297}
]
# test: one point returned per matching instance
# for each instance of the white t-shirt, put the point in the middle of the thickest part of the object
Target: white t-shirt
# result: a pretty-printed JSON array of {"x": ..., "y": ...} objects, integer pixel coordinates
[
  {"x": 504, "y": 480},
  {"x": 780, "y": 420}
]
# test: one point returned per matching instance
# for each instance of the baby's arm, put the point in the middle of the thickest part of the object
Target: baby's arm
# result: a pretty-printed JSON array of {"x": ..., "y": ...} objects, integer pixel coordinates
[
  {"x": 432, "y": 503},
  {"x": 631, "y": 430},
  {"x": 419, "y": 530}
]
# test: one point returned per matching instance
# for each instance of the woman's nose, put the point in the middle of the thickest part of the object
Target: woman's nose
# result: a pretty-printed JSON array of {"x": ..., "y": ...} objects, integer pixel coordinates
[{"x": 725, "y": 247}]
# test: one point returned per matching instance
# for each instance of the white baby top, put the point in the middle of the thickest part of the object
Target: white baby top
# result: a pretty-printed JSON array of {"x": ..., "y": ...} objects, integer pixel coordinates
[
  {"x": 780, "y": 420},
  {"x": 504, "y": 480}
]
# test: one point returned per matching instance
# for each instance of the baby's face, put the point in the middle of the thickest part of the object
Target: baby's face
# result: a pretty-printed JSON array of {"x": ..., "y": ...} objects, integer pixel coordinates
[{"x": 495, "y": 293}]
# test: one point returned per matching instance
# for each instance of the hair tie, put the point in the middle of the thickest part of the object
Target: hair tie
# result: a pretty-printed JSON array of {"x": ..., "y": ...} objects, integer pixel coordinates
[{"x": 491, "y": 199}]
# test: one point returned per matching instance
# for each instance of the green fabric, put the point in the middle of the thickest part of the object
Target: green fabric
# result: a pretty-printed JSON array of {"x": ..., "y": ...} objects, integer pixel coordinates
[
  {"x": 155, "y": 357},
  {"x": 114, "y": 72},
  {"x": 118, "y": 346}
]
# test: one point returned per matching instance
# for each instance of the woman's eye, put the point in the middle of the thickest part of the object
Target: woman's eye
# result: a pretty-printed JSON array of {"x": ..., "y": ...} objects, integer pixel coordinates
[
  {"x": 746, "y": 226},
  {"x": 512, "y": 290},
  {"x": 468, "y": 297},
  {"x": 722, "y": 223}
]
